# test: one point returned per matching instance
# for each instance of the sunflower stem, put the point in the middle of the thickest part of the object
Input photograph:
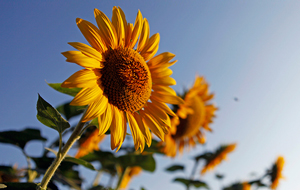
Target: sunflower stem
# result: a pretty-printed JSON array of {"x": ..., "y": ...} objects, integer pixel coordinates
[{"x": 61, "y": 155}]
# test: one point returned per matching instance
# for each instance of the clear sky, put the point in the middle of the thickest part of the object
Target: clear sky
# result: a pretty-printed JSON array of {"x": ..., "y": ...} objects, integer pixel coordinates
[{"x": 245, "y": 49}]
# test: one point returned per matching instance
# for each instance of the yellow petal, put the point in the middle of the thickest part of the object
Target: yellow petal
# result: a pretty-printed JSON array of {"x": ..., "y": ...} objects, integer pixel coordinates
[
  {"x": 165, "y": 81},
  {"x": 117, "y": 22},
  {"x": 151, "y": 47},
  {"x": 82, "y": 79},
  {"x": 136, "y": 29},
  {"x": 123, "y": 17},
  {"x": 96, "y": 108},
  {"x": 144, "y": 35},
  {"x": 138, "y": 137},
  {"x": 164, "y": 90},
  {"x": 87, "y": 50},
  {"x": 152, "y": 124},
  {"x": 161, "y": 66},
  {"x": 128, "y": 34},
  {"x": 117, "y": 128},
  {"x": 145, "y": 130},
  {"x": 82, "y": 60},
  {"x": 105, "y": 120},
  {"x": 170, "y": 99},
  {"x": 160, "y": 117},
  {"x": 91, "y": 34},
  {"x": 164, "y": 107},
  {"x": 161, "y": 73},
  {"x": 107, "y": 30},
  {"x": 87, "y": 96},
  {"x": 161, "y": 59}
]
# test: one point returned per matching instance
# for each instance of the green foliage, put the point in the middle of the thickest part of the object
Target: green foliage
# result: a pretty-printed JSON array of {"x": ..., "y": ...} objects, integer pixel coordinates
[
  {"x": 107, "y": 160},
  {"x": 175, "y": 168},
  {"x": 154, "y": 148},
  {"x": 69, "y": 91},
  {"x": 146, "y": 162},
  {"x": 19, "y": 186},
  {"x": 100, "y": 187},
  {"x": 50, "y": 117},
  {"x": 65, "y": 174},
  {"x": 21, "y": 138},
  {"x": 235, "y": 186},
  {"x": 219, "y": 176},
  {"x": 70, "y": 111},
  {"x": 189, "y": 182}
]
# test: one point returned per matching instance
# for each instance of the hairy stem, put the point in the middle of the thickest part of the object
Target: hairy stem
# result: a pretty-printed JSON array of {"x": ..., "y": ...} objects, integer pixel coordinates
[{"x": 61, "y": 155}]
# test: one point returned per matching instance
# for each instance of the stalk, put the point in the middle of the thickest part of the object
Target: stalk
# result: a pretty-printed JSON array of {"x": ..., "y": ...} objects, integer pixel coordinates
[{"x": 61, "y": 155}]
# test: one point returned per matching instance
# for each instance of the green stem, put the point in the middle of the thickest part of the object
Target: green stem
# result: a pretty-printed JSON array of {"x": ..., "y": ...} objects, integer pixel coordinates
[
  {"x": 193, "y": 173},
  {"x": 60, "y": 156},
  {"x": 97, "y": 178}
]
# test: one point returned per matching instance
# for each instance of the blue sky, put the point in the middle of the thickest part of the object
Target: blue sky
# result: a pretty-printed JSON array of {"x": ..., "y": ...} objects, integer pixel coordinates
[{"x": 245, "y": 49}]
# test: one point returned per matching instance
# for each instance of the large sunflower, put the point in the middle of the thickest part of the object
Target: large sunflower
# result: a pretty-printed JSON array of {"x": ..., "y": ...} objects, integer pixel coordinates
[
  {"x": 121, "y": 84},
  {"x": 276, "y": 173},
  {"x": 192, "y": 118}
]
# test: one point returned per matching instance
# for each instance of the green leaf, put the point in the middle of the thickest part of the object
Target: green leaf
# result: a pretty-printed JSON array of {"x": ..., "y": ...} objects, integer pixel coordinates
[
  {"x": 69, "y": 91},
  {"x": 175, "y": 168},
  {"x": 50, "y": 117},
  {"x": 21, "y": 138},
  {"x": 146, "y": 162},
  {"x": 99, "y": 187},
  {"x": 19, "y": 186},
  {"x": 205, "y": 156},
  {"x": 154, "y": 148},
  {"x": 70, "y": 111},
  {"x": 219, "y": 176},
  {"x": 80, "y": 162},
  {"x": 107, "y": 160},
  {"x": 195, "y": 183}
]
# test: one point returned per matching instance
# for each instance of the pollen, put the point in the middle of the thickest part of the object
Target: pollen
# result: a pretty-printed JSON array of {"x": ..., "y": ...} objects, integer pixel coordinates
[{"x": 126, "y": 79}]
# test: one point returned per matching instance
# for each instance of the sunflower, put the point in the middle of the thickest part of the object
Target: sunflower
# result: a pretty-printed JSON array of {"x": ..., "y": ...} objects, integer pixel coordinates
[
  {"x": 192, "y": 118},
  {"x": 246, "y": 186},
  {"x": 276, "y": 173},
  {"x": 130, "y": 173},
  {"x": 217, "y": 157},
  {"x": 121, "y": 84},
  {"x": 89, "y": 142}
]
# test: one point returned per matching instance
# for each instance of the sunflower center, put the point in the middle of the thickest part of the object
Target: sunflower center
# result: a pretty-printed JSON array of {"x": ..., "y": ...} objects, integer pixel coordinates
[
  {"x": 189, "y": 126},
  {"x": 126, "y": 79}
]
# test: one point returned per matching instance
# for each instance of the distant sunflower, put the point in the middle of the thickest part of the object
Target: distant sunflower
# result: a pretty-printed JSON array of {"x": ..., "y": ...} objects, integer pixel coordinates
[
  {"x": 89, "y": 142},
  {"x": 217, "y": 157},
  {"x": 121, "y": 84},
  {"x": 276, "y": 172},
  {"x": 246, "y": 186},
  {"x": 192, "y": 118},
  {"x": 130, "y": 173}
]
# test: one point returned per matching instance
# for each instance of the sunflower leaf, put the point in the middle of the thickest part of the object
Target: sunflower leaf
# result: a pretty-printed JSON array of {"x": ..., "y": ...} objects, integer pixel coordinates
[
  {"x": 175, "y": 168},
  {"x": 69, "y": 91},
  {"x": 21, "y": 138},
  {"x": 18, "y": 186},
  {"x": 50, "y": 117},
  {"x": 195, "y": 183},
  {"x": 70, "y": 111},
  {"x": 146, "y": 162}
]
